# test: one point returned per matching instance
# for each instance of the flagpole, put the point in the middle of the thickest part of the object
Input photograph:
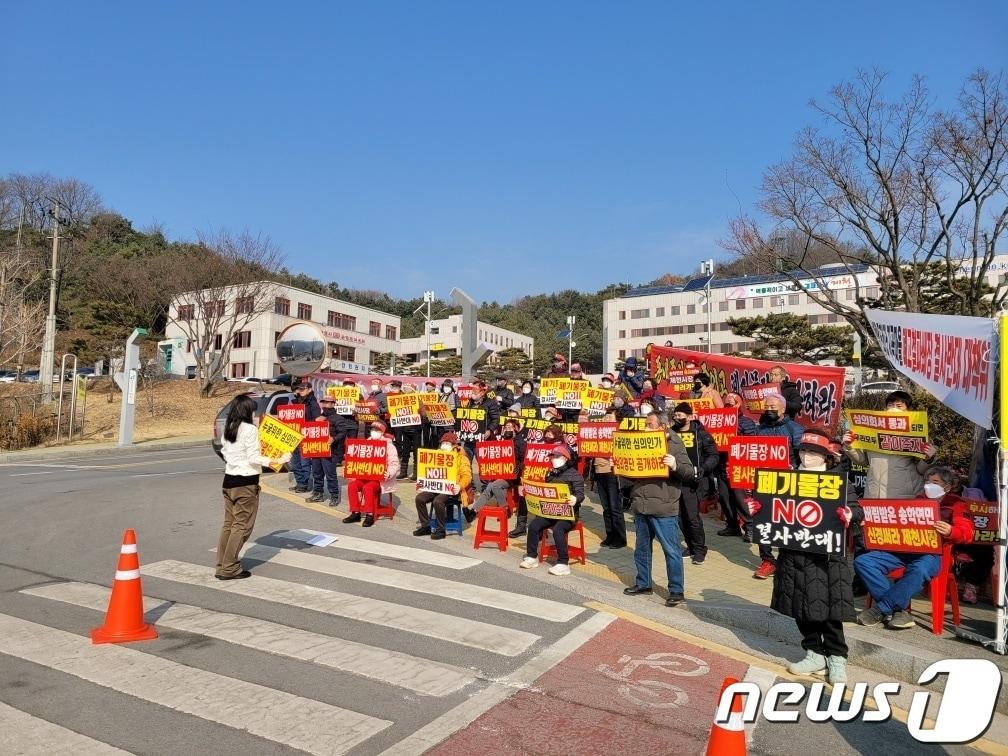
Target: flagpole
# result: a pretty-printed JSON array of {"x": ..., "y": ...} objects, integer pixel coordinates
[{"x": 1002, "y": 620}]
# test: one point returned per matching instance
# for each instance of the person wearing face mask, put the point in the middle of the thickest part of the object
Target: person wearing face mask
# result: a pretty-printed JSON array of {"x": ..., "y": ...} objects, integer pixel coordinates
[
  {"x": 651, "y": 398},
  {"x": 527, "y": 398},
  {"x": 505, "y": 396},
  {"x": 630, "y": 379},
  {"x": 497, "y": 490},
  {"x": 703, "y": 389},
  {"x": 364, "y": 495},
  {"x": 564, "y": 470},
  {"x": 448, "y": 395},
  {"x": 344, "y": 427},
  {"x": 407, "y": 437},
  {"x": 559, "y": 367},
  {"x": 607, "y": 485},
  {"x": 621, "y": 408},
  {"x": 733, "y": 507},
  {"x": 377, "y": 394},
  {"x": 703, "y": 454},
  {"x": 299, "y": 466},
  {"x": 788, "y": 389},
  {"x": 324, "y": 468},
  {"x": 428, "y": 503},
  {"x": 954, "y": 525},
  {"x": 891, "y": 476},
  {"x": 815, "y": 589}
]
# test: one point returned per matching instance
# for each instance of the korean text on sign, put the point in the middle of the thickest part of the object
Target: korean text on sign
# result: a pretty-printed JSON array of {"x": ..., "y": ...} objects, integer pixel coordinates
[
  {"x": 985, "y": 516},
  {"x": 277, "y": 439},
  {"x": 748, "y": 453},
  {"x": 470, "y": 423},
  {"x": 366, "y": 411},
  {"x": 403, "y": 409},
  {"x": 798, "y": 511},
  {"x": 754, "y": 397},
  {"x": 365, "y": 459},
  {"x": 536, "y": 463},
  {"x": 345, "y": 397},
  {"x": 291, "y": 414},
  {"x": 905, "y": 525},
  {"x": 439, "y": 415},
  {"x": 548, "y": 500},
  {"x": 315, "y": 442},
  {"x": 901, "y": 433},
  {"x": 596, "y": 439},
  {"x": 496, "y": 460},
  {"x": 721, "y": 423},
  {"x": 699, "y": 404},
  {"x": 639, "y": 454},
  {"x": 437, "y": 471},
  {"x": 596, "y": 401}
]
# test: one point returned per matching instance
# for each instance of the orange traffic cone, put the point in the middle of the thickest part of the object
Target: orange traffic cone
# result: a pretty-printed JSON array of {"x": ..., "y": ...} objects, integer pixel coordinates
[
  {"x": 728, "y": 739},
  {"x": 124, "y": 621}
]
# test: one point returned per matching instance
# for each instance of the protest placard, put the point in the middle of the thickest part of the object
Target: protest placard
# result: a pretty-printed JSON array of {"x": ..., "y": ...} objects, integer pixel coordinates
[
  {"x": 366, "y": 411},
  {"x": 365, "y": 459},
  {"x": 900, "y": 433},
  {"x": 639, "y": 454},
  {"x": 277, "y": 439},
  {"x": 548, "y": 500},
  {"x": 437, "y": 471},
  {"x": 596, "y": 401},
  {"x": 570, "y": 435},
  {"x": 903, "y": 525},
  {"x": 439, "y": 415},
  {"x": 496, "y": 460},
  {"x": 569, "y": 393},
  {"x": 549, "y": 389},
  {"x": 677, "y": 382},
  {"x": 798, "y": 511},
  {"x": 428, "y": 398},
  {"x": 403, "y": 409},
  {"x": 595, "y": 439},
  {"x": 633, "y": 423},
  {"x": 345, "y": 397},
  {"x": 748, "y": 453},
  {"x": 536, "y": 463},
  {"x": 292, "y": 415},
  {"x": 464, "y": 391},
  {"x": 985, "y": 521},
  {"x": 857, "y": 476},
  {"x": 315, "y": 439},
  {"x": 721, "y": 423},
  {"x": 699, "y": 404},
  {"x": 470, "y": 423},
  {"x": 754, "y": 397}
]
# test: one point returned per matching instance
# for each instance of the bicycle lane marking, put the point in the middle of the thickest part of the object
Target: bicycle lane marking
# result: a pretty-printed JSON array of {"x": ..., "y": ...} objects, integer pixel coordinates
[{"x": 629, "y": 689}]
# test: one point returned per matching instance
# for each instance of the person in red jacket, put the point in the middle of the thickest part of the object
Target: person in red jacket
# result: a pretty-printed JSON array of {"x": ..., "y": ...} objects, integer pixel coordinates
[{"x": 954, "y": 525}]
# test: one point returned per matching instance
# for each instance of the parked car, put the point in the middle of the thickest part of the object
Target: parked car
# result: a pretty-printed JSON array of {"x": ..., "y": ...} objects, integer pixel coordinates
[
  {"x": 7, "y": 376},
  {"x": 30, "y": 376},
  {"x": 880, "y": 387},
  {"x": 266, "y": 404},
  {"x": 284, "y": 379}
]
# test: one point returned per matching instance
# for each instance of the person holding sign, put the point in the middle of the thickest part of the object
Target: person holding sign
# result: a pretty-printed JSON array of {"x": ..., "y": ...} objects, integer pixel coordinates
[
  {"x": 372, "y": 490},
  {"x": 324, "y": 468},
  {"x": 527, "y": 399},
  {"x": 954, "y": 525},
  {"x": 497, "y": 489},
  {"x": 302, "y": 468},
  {"x": 447, "y": 489},
  {"x": 564, "y": 470},
  {"x": 243, "y": 463},
  {"x": 703, "y": 455},
  {"x": 702, "y": 389}
]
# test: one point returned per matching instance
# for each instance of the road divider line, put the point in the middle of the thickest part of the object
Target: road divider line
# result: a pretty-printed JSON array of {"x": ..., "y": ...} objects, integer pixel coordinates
[
  {"x": 27, "y": 735},
  {"x": 505, "y": 641},
  {"x": 281, "y": 717},
  {"x": 402, "y": 670},
  {"x": 390, "y": 550},
  {"x": 532, "y": 606}
]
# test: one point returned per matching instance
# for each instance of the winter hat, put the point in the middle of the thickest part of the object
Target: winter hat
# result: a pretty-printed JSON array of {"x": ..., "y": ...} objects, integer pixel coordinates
[
  {"x": 379, "y": 425},
  {"x": 735, "y": 398},
  {"x": 449, "y": 438},
  {"x": 559, "y": 357},
  {"x": 631, "y": 362},
  {"x": 432, "y": 384},
  {"x": 561, "y": 450},
  {"x": 816, "y": 440},
  {"x": 326, "y": 400},
  {"x": 683, "y": 407},
  {"x": 395, "y": 384},
  {"x": 447, "y": 382},
  {"x": 609, "y": 377}
]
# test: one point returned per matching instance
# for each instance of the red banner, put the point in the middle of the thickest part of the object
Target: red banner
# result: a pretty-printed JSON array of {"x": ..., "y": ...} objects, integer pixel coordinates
[
  {"x": 291, "y": 414},
  {"x": 537, "y": 462},
  {"x": 754, "y": 397},
  {"x": 985, "y": 521},
  {"x": 821, "y": 388},
  {"x": 365, "y": 459},
  {"x": 496, "y": 460},
  {"x": 903, "y": 525},
  {"x": 596, "y": 439},
  {"x": 721, "y": 423},
  {"x": 747, "y": 454},
  {"x": 315, "y": 443}
]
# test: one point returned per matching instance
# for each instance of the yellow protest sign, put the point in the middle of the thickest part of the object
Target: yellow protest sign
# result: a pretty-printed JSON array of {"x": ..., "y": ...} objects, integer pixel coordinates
[
  {"x": 437, "y": 471},
  {"x": 639, "y": 454},
  {"x": 901, "y": 433},
  {"x": 403, "y": 409},
  {"x": 428, "y": 398},
  {"x": 439, "y": 415},
  {"x": 596, "y": 400},
  {"x": 277, "y": 439},
  {"x": 345, "y": 397},
  {"x": 548, "y": 500},
  {"x": 702, "y": 403}
]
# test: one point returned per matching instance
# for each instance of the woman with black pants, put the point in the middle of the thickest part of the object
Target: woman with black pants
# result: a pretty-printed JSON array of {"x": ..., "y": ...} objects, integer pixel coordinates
[{"x": 243, "y": 464}]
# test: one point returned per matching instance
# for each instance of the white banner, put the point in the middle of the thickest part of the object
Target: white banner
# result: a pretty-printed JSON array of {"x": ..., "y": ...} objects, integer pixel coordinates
[{"x": 951, "y": 356}]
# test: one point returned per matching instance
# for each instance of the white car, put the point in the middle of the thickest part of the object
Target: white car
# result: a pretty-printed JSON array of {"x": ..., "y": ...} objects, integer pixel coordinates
[{"x": 880, "y": 387}]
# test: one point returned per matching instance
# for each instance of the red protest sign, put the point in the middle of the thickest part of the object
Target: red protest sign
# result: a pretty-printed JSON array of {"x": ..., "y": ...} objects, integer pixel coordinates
[
  {"x": 596, "y": 439},
  {"x": 365, "y": 459},
  {"x": 496, "y": 460},
  {"x": 721, "y": 423},
  {"x": 291, "y": 414},
  {"x": 315, "y": 439},
  {"x": 754, "y": 397},
  {"x": 985, "y": 516},
  {"x": 746, "y": 454},
  {"x": 904, "y": 525},
  {"x": 465, "y": 391},
  {"x": 677, "y": 383},
  {"x": 537, "y": 462}
]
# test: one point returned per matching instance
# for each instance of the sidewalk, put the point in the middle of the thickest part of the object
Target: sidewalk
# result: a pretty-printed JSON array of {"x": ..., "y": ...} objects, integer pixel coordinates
[{"x": 87, "y": 448}]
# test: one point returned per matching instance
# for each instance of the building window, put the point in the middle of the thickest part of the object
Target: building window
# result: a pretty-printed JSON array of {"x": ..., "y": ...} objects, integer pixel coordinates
[
  {"x": 242, "y": 340},
  {"x": 186, "y": 312},
  {"x": 245, "y": 305},
  {"x": 281, "y": 306},
  {"x": 276, "y": 337},
  {"x": 435, "y": 330},
  {"x": 239, "y": 370},
  {"x": 374, "y": 328},
  {"x": 213, "y": 309},
  {"x": 757, "y": 303},
  {"x": 342, "y": 352},
  {"x": 739, "y": 304},
  {"x": 622, "y": 334},
  {"x": 723, "y": 306},
  {"x": 622, "y": 316},
  {"x": 218, "y": 342},
  {"x": 659, "y": 312},
  {"x": 691, "y": 309},
  {"x": 390, "y": 333},
  {"x": 276, "y": 369},
  {"x": 304, "y": 311},
  {"x": 622, "y": 352},
  {"x": 454, "y": 329},
  {"x": 344, "y": 322},
  {"x": 674, "y": 310},
  {"x": 638, "y": 314},
  {"x": 793, "y": 299},
  {"x": 833, "y": 319},
  {"x": 849, "y": 295},
  {"x": 872, "y": 292}
]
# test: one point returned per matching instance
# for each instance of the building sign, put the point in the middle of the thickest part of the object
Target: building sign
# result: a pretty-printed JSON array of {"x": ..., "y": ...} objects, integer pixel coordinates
[
  {"x": 832, "y": 283},
  {"x": 344, "y": 337}
]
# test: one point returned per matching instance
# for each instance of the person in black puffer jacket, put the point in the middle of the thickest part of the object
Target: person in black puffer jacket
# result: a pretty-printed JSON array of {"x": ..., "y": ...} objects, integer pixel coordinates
[
  {"x": 788, "y": 389},
  {"x": 564, "y": 471}
]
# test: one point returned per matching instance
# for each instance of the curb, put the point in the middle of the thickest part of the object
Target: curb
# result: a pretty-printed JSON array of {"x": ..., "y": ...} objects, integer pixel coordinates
[{"x": 53, "y": 453}]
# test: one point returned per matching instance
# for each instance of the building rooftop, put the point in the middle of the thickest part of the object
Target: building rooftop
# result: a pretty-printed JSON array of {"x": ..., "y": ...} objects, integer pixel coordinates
[{"x": 726, "y": 283}]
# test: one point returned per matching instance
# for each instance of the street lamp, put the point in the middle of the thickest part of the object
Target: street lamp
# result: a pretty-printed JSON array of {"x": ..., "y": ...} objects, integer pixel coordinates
[
  {"x": 428, "y": 298},
  {"x": 571, "y": 319},
  {"x": 708, "y": 272}
]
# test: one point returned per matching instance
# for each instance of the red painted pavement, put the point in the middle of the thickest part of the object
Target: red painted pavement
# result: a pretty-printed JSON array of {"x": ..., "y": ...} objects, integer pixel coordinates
[{"x": 604, "y": 699}]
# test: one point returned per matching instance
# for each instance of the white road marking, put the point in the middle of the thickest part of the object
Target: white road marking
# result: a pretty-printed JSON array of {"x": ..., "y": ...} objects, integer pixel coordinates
[
  {"x": 22, "y": 734},
  {"x": 419, "y": 675},
  {"x": 390, "y": 550},
  {"x": 554, "y": 611},
  {"x": 465, "y": 713},
  {"x": 176, "y": 472},
  {"x": 500, "y": 640},
  {"x": 272, "y": 714},
  {"x": 764, "y": 678},
  {"x": 44, "y": 472}
]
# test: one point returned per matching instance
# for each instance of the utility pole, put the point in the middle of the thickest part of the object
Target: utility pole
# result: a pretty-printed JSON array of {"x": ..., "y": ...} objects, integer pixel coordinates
[
  {"x": 49, "y": 345},
  {"x": 708, "y": 271},
  {"x": 428, "y": 298},
  {"x": 571, "y": 319}
]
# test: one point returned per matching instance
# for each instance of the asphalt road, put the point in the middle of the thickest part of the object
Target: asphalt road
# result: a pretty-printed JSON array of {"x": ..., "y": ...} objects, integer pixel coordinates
[{"x": 377, "y": 643}]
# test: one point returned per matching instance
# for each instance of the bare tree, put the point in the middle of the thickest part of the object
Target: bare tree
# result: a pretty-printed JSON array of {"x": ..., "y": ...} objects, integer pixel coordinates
[
  {"x": 219, "y": 288},
  {"x": 21, "y": 317},
  {"x": 895, "y": 187}
]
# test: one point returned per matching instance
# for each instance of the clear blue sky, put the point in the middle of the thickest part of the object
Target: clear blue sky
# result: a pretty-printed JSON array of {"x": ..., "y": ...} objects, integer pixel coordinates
[{"x": 506, "y": 148}]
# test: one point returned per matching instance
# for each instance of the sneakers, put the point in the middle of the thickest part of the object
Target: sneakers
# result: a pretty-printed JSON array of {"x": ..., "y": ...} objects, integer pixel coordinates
[
  {"x": 765, "y": 570},
  {"x": 352, "y": 517},
  {"x": 969, "y": 593},
  {"x": 240, "y": 576},
  {"x": 559, "y": 569},
  {"x": 469, "y": 514},
  {"x": 698, "y": 559},
  {"x": 300, "y": 489},
  {"x": 836, "y": 670},
  {"x": 368, "y": 521},
  {"x": 811, "y": 664},
  {"x": 315, "y": 498},
  {"x": 422, "y": 530},
  {"x": 901, "y": 621},
  {"x": 872, "y": 616},
  {"x": 333, "y": 503},
  {"x": 528, "y": 563},
  {"x": 674, "y": 599},
  {"x": 438, "y": 535}
]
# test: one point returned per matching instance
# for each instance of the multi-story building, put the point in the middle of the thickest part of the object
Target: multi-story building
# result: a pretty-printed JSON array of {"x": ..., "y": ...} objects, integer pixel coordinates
[{"x": 446, "y": 340}]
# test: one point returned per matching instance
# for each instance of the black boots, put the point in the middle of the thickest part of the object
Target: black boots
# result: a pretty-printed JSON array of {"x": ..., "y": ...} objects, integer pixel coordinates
[
  {"x": 521, "y": 525},
  {"x": 352, "y": 517}
]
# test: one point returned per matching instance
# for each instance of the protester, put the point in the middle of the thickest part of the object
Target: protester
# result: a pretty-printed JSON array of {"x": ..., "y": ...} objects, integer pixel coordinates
[
  {"x": 448, "y": 395},
  {"x": 954, "y": 525},
  {"x": 528, "y": 399},
  {"x": 559, "y": 367},
  {"x": 482, "y": 400},
  {"x": 427, "y": 500},
  {"x": 324, "y": 468},
  {"x": 655, "y": 504},
  {"x": 564, "y": 471},
  {"x": 788, "y": 389},
  {"x": 299, "y": 466},
  {"x": 505, "y": 396},
  {"x": 703, "y": 454},
  {"x": 377, "y": 395},
  {"x": 497, "y": 490},
  {"x": 651, "y": 398},
  {"x": 364, "y": 495},
  {"x": 407, "y": 437},
  {"x": 344, "y": 427},
  {"x": 621, "y": 408},
  {"x": 243, "y": 463},
  {"x": 815, "y": 589},
  {"x": 607, "y": 485},
  {"x": 732, "y": 501},
  {"x": 630, "y": 382},
  {"x": 428, "y": 432},
  {"x": 702, "y": 389}
]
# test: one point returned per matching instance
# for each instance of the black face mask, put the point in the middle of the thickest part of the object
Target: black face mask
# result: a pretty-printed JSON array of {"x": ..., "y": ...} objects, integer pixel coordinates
[
  {"x": 678, "y": 424},
  {"x": 328, "y": 411},
  {"x": 697, "y": 386},
  {"x": 771, "y": 416},
  {"x": 508, "y": 434},
  {"x": 549, "y": 440}
]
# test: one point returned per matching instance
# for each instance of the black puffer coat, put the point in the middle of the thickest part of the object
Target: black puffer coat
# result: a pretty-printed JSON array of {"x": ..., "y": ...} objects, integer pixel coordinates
[{"x": 816, "y": 587}]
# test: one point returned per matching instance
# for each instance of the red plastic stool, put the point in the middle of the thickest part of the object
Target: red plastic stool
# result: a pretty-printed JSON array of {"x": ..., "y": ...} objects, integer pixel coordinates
[
  {"x": 385, "y": 511},
  {"x": 577, "y": 553},
  {"x": 512, "y": 500},
  {"x": 500, "y": 536}
]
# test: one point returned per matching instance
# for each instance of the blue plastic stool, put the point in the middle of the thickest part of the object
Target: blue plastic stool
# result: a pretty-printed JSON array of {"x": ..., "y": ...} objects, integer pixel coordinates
[{"x": 454, "y": 524}]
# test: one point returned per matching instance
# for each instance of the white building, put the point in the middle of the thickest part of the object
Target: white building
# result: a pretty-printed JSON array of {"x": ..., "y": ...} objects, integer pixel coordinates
[
  {"x": 660, "y": 314},
  {"x": 354, "y": 334},
  {"x": 446, "y": 340}
]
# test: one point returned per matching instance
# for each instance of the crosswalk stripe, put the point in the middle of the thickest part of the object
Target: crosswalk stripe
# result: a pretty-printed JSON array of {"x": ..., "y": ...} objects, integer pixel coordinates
[
  {"x": 390, "y": 550},
  {"x": 272, "y": 714},
  {"x": 500, "y": 640},
  {"x": 22, "y": 734},
  {"x": 419, "y": 675},
  {"x": 532, "y": 606}
]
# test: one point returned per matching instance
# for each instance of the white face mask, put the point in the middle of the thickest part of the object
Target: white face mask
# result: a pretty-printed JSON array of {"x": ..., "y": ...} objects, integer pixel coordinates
[
  {"x": 812, "y": 461},
  {"x": 646, "y": 409},
  {"x": 376, "y": 434},
  {"x": 933, "y": 491},
  {"x": 446, "y": 389},
  {"x": 558, "y": 462},
  {"x": 607, "y": 384},
  {"x": 446, "y": 447},
  {"x": 630, "y": 373},
  {"x": 526, "y": 389},
  {"x": 375, "y": 386}
]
